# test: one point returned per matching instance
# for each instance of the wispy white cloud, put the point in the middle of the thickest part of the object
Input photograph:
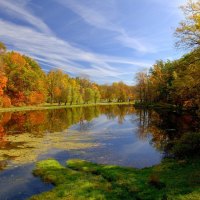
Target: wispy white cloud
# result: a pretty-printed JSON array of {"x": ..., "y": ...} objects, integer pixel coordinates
[
  {"x": 133, "y": 43},
  {"x": 98, "y": 18},
  {"x": 19, "y": 9},
  {"x": 91, "y": 15},
  {"x": 99, "y": 14},
  {"x": 38, "y": 41},
  {"x": 52, "y": 51}
]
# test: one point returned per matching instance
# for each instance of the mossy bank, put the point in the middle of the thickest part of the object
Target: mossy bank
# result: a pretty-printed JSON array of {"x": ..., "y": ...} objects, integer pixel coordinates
[{"x": 80, "y": 179}]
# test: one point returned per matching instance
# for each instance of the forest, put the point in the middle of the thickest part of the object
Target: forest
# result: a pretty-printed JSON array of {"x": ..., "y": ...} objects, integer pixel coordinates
[
  {"x": 176, "y": 82},
  {"x": 23, "y": 82}
]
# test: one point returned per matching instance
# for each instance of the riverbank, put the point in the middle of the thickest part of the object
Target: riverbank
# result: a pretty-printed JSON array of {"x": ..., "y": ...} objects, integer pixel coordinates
[
  {"x": 167, "y": 107},
  {"x": 56, "y": 106},
  {"x": 155, "y": 105},
  {"x": 80, "y": 179}
]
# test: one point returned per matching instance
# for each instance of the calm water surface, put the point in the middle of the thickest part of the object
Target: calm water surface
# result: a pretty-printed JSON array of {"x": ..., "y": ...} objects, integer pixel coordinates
[{"x": 117, "y": 135}]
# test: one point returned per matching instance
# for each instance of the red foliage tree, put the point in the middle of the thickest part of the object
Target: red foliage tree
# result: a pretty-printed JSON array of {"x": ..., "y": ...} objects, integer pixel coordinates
[{"x": 19, "y": 99}]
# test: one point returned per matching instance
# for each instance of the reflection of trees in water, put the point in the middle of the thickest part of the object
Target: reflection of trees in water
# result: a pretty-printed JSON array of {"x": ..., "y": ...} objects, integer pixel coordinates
[
  {"x": 3, "y": 164},
  {"x": 39, "y": 122},
  {"x": 164, "y": 127},
  {"x": 23, "y": 133},
  {"x": 144, "y": 122},
  {"x": 112, "y": 112},
  {"x": 119, "y": 111},
  {"x": 4, "y": 119},
  {"x": 87, "y": 114}
]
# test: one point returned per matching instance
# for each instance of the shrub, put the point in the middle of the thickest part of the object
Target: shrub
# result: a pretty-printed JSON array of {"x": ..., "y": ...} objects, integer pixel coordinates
[{"x": 187, "y": 146}]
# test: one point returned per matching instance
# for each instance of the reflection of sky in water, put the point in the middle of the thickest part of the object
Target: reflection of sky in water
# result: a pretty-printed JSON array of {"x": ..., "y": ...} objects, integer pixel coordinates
[
  {"x": 119, "y": 143},
  {"x": 109, "y": 135},
  {"x": 19, "y": 183},
  {"x": 108, "y": 139}
]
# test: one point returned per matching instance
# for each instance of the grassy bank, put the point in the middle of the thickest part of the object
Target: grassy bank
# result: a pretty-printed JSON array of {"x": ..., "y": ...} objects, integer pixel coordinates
[
  {"x": 56, "y": 106},
  {"x": 170, "y": 180}
]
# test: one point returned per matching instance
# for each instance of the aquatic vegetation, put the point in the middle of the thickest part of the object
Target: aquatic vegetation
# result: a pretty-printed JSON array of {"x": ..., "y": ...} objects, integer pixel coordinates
[{"x": 85, "y": 180}]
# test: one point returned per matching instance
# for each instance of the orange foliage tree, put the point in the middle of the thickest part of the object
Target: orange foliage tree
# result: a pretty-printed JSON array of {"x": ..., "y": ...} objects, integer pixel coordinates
[
  {"x": 23, "y": 82},
  {"x": 4, "y": 99},
  {"x": 36, "y": 98},
  {"x": 3, "y": 81},
  {"x": 26, "y": 84}
]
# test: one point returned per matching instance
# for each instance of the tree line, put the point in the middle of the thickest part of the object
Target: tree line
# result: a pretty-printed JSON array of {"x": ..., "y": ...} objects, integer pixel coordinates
[
  {"x": 176, "y": 82},
  {"x": 23, "y": 82}
]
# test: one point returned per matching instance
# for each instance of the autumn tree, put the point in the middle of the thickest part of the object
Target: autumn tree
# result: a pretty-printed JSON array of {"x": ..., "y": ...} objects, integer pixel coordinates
[
  {"x": 2, "y": 48},
  {"x": 4, "y": 99},
  {"x": 23, "y": 82},
  {"x": 55, "y": 84},
  {"x": 37, "y": 91},
  {"x": 96, "y": 92},
  {"x": 108, "y": 93},
  {"x": 122, "y": 92},
  {"x": 188, "y": 32},
  {"x": 142, "y": 86},
  {"x": 3, "y": 82},
  {"x": 187, "y": 80},
  {"x": 75, "y": 92},
  {"x": 65, "y": 86},
  {"x": 89, "y": 95},
  {"x": 24, "y": 77},
  {"x": 3, "y": 78}
]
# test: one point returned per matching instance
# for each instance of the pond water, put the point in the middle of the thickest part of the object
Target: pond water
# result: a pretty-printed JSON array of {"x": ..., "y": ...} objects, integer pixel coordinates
[{"x": 119, "y": 135}]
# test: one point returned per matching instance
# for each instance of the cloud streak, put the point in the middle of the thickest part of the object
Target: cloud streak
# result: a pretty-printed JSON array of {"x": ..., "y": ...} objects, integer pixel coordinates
[
  {"x": 38, "y": 41},
  {"x": 54, "y": 52},
  {"x": 19, "y": 9},
  {"x": 95, "y": 17}
]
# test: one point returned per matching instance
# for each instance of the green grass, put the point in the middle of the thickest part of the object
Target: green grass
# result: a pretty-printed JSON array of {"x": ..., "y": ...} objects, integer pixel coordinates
[
  {"x": 56, "y": 106},
  {"x": 171, "y": 180}
]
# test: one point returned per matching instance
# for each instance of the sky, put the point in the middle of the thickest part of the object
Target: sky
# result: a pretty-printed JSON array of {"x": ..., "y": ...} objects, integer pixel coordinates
[{"x": 103, "y": 40}]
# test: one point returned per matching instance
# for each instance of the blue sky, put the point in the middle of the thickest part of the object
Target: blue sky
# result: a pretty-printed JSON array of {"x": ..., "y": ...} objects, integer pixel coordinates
[{"x": 105, "y": 40}]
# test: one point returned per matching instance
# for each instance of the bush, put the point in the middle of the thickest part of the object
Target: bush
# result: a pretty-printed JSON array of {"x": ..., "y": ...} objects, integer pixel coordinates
[{"x": 187, "y": 146}]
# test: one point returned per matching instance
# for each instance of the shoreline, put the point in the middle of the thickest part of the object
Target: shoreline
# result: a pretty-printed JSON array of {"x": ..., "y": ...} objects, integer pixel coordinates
[
  {"x": 55, "y": 106},
  {"x": 81, "y": 179}
]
